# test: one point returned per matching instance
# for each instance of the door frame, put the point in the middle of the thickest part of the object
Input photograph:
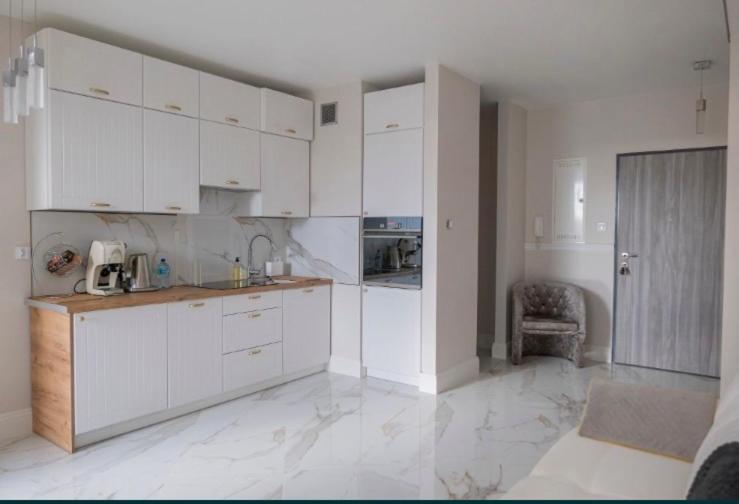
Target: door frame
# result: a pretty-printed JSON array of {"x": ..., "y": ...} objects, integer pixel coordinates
[{"x": 615, "y": 238}]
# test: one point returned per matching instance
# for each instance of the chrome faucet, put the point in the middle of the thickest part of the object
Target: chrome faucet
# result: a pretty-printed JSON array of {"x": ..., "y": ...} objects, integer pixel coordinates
[{"x": 249, "y": 266}]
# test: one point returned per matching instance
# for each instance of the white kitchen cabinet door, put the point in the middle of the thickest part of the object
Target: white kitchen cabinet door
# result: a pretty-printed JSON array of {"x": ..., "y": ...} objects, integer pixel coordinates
[
  {"x": 171, "y": 165},
  {"x": 120, "y": 365},
  {"x": 229, "y": 157},
  {"x": 83, "y": 66},
  {"x": 393, "y": 174},
  {"x": 306, "y": 328},
  {"x": 248, "y": 367},
  {"x": 391, "y": 333},
  {"x": 171, "y": 88},
  {"x": 253, "y": 329},
  {"x": 95, "y": 154},
  {"x": 286, "y": 115},
  {"x": 229, "y": 102},
  {"x": 393, "y": 109},
  {"x": 285, "y": 177},
  {"x": 194, "y": 344}
]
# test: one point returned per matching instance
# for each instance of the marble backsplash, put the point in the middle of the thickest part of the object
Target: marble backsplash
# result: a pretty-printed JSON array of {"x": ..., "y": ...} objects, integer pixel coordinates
[{"x": 326, "y": 247}]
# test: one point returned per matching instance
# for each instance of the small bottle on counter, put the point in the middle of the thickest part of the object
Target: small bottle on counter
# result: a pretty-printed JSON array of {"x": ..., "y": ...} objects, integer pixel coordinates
[
  {"x": 162, "y": 274},
  {"x": 237, "y": 271}
]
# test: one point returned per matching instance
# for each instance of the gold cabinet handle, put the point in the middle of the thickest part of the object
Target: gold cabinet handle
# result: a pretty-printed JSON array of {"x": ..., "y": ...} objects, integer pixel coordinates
[
  {"x": 197, "y": 305},
  {"x": 98, "y": 204},
  {"x": 176, "y": 108},
  {"x": 392, "y": 125},
  {"x": 232, "y": 119},
  {"x": 103, "y": 92},
  {"x": 258, "y": 296},
  {"x": 82, "y": 318},
  {"x": 232, "y": 182},
  {"x": 290, "y": 130},
  {"x": 255, "y": 352},
  {"x": 176, "y": 208},
  {"x": 255, "y": 315},
  {"x": 286, "y": 212},
  {"x": 307, "y": 291}
]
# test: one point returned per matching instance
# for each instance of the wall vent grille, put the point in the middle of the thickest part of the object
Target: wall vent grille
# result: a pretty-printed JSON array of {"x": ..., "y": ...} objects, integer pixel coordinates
[{"x": 329, "y": 113}]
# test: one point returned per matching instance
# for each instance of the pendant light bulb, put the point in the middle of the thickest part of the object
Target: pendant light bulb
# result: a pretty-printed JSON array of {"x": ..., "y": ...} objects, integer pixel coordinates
[
  {"x": 10, "y": 115},
  {"x": 20, "y": 92},
  {"x": 36, "y": 76}
]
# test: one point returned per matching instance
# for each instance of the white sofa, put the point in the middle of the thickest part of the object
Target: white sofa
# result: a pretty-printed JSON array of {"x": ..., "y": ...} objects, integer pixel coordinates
[{"x": 581, "y": 468}]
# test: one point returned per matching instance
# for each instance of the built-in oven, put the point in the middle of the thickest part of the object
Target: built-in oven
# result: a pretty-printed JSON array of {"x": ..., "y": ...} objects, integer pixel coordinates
[{"x": 392, "y": 251}]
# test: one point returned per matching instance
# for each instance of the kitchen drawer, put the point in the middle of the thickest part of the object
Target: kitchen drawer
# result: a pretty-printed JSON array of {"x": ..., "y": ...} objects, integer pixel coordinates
[
  {"x": 251, "y": 366},
  {"x": 251, "y": 302},
  {"x": 253, "y": 329}
]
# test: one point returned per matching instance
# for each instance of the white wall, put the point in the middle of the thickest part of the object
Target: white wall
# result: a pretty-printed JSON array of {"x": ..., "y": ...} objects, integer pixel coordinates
[
  {"x": 510, "y": 216},
  {"x": 730, "y": 337},
  {"x": 451, "y": 171},
  {"x": 598, "y": 131},
  {"x": 15, "y": 380}
]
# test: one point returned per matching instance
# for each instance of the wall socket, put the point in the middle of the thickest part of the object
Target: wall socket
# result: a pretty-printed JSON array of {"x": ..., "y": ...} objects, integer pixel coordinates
[
  {"x": 23, "y": 253},
  {"x": 601, "y": 227}
]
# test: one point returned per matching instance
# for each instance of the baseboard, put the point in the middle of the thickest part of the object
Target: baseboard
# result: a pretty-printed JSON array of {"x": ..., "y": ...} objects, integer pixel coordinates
[
  {"x": 451, "y": 378},
  {"x": 393, "y": 377},
  {"x": 500, "y": 350},
  {"x": 346, "y": 366},
  {"x": 598, "y": 353},
  {"x": 15, "y": 425}
]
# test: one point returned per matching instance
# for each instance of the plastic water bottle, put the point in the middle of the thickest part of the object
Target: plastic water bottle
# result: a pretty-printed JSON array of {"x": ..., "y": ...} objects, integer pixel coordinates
[{"x": 162, "y": 274}]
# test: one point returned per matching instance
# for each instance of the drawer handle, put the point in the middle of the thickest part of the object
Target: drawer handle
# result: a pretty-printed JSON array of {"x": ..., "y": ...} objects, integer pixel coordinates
[
  {"x": 97, "y": 204},
  {"x": 255, "y": 315},
  {"x": 176, "y": 108},
  {"x": 290, "y": 130},
  {"x": 232, "y": 120},
  {"x": 255, "y": 352},
  {"x": 197, "y": 305},
  {"x": 257, "y": 296},
  {"x": 392, "y": 125},
  {"x": 307, "y": 291},
  {"x": 174, "y": 208},
  {"x": 99, "y": 91},
  {"x": 232, "y": 182},
  {"x": 286, "y": 212}
]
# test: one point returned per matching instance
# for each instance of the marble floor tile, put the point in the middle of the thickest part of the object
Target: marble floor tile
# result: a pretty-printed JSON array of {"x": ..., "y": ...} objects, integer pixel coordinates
[{"x": 335, "y": 437}]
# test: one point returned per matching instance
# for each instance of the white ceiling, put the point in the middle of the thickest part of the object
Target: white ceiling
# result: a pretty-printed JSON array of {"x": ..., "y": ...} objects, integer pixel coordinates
[{"x": 535, "y": 51}]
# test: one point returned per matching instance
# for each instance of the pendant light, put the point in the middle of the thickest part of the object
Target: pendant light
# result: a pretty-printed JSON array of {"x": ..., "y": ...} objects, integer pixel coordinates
[
  {"x": 10, "y": 114},
  {"x": 20, "y": 67},
  {"x": 701, "y": 104},
  {"x": 36, "y": 74}
]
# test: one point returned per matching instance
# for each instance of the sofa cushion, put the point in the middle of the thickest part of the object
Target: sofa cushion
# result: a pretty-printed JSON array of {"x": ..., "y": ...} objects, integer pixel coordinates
[
  {"x": 579, "y": 467},
  {"x": 536, "y": 324}
]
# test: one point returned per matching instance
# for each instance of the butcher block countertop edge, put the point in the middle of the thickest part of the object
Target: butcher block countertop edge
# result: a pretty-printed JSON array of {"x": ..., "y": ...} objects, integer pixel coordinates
[{"x": 83, "y": 303}]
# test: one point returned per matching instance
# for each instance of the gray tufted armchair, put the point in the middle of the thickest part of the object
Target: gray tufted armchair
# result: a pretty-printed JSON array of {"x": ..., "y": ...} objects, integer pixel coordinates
[{"x": 548, "y": 319}]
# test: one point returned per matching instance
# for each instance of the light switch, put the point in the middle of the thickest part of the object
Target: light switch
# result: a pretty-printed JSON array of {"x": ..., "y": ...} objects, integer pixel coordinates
[
  {"x": 23, "y": 253},
  {"x": 601, "y": 227},
  {"x": 449, "y": 223}
]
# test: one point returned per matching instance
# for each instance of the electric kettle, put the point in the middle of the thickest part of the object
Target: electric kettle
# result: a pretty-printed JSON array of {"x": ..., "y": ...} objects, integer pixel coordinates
[{"x": 137, "y": 273}]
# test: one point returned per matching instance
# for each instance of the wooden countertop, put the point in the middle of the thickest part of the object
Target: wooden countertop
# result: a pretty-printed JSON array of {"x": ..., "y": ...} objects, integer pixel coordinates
[{"x": 81, "y": 303}]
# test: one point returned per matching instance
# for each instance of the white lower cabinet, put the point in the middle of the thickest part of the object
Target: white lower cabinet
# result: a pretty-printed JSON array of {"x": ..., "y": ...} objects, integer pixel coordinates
[
  {"x": 306, "y": 328},
  {"x": 251, "y": 366},
  {"x": 248, "y": 330},
  {"x": 391, "y": 333},
  {"x": 120, "y": 365},
  {"x": 194, "y": 338}
]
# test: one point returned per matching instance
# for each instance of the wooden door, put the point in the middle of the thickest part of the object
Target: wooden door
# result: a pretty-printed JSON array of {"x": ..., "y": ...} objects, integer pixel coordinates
[
  {"x": 306, "y": 328},
  {"x": 285, "y": 177},
  {"x": 670, "y": 223},
  {"x": 96, "y": 154},
  {"x": 171, "y": 164},
  {"x": 195, "y": 355},
  {"x": 120, "y": 365}
]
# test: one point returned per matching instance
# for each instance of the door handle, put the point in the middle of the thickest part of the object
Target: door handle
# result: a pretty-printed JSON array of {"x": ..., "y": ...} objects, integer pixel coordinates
[{"x": 628, "y": 255}]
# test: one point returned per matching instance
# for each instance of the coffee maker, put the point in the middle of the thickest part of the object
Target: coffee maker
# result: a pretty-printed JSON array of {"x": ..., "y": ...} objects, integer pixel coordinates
[{"x": 105, "y": 268}]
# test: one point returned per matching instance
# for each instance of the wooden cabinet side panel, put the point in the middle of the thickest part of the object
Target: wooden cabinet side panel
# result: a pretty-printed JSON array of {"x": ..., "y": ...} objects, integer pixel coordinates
[{"x": 51, "y": 377}]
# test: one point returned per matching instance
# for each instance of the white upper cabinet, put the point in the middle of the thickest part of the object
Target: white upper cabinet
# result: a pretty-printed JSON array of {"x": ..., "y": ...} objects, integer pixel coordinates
[
  {"x": 306, "y": 328},
  {"x": 229, "y": 102},
  {"x": 393, "y": 109},
  {"x": 393, "y": 174},
  {"x": 195, "y": 362},
  {"x": 171, "y": 169},
  {"x": 285, "y": 177},
  {"x": 94, "y": 157},
  {"x": 171, "y": 88},
  {"x": 286, "y": 115},
  {"x": 91, "y": 68},
  {"x": 229, "y": 157}
]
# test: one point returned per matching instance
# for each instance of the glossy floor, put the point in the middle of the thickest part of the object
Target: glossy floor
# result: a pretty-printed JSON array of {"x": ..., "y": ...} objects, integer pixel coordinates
[{"x": 331, "y": 436}]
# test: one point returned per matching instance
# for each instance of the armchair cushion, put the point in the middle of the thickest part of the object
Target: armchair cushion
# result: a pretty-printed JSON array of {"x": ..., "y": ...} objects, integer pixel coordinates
[{"x": 534, "y": 324}]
